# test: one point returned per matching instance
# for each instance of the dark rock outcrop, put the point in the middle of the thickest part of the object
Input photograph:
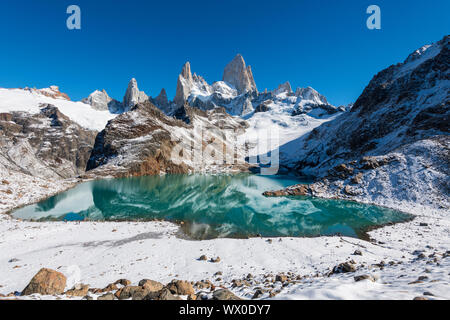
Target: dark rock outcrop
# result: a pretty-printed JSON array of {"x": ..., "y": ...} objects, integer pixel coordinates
[{"x": 47, "y": 144}]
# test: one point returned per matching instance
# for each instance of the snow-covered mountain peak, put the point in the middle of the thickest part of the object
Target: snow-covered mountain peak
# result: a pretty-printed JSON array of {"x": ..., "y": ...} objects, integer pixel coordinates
[
  {"x": 283, "y": 88},
  {"x": 310, "y": 94}
]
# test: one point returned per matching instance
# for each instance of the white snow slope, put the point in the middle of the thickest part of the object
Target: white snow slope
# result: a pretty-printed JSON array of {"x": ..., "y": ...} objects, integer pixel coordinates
[{"x": 30, "y": 101}]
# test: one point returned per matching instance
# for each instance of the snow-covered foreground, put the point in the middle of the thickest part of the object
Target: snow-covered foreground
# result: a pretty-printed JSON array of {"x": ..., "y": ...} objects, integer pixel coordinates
[{"x": 98, "y": 253}]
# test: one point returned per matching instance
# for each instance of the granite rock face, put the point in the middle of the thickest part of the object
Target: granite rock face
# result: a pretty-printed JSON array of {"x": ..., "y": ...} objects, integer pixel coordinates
[
  {"x": 239, "y": 75},
  {"x": 100, "y": 100},
  {"x": 133, "y": 96},
  {"x": 47, "y": 144},
  {"x": 184, "y": 85}
]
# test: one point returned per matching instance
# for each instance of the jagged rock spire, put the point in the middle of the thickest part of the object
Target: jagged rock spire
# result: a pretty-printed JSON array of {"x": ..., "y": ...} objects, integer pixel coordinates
[
  {"x": 161, "y": 101},
  {"x": 184, "y": 85},
  {"x": 133, "y": 96},
  {"x": 238, "y": 75}
]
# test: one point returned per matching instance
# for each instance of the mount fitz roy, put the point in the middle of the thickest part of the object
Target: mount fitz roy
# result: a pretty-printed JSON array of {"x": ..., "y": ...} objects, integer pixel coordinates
[{"x": 390, "y": 147}]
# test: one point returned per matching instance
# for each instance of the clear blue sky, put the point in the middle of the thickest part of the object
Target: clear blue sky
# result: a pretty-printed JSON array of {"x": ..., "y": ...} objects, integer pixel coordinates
[{"x": 323, "y": 44}]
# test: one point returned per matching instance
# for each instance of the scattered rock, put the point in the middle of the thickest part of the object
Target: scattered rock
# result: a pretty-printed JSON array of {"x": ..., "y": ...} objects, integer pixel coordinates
[
  {"x": 134, "y": 292},
  {"x": 281, "y": 278},
  {"x": 364, "y": 277},
  {"x": 79, "y": 290},
  {"x": 344, "y": 268},
  {"x": 258, "y": 294},
  {"x": 123, "y": 282},
  {"x": 357, "y": 179},
  {"x": 224, "y": 294},
  {"x": 163, "y": 294},
  {"x": 192, "y": 297},
  {"x": 203, "y": 284},
  {"x": 110, "y": 287},
  {"x": 357, "y": 253},
  {"x": 106, "y": 296},
  {"x": 46, "y": 282},
  {"x": 423, "y": 224},
  {"x": 151, "y": 285},
  {"x": 181, "y": 287}
]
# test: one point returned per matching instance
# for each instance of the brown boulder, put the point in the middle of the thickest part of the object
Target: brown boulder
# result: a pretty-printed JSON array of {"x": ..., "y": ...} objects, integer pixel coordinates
[
  {"x": 106, "y": 296},
  {"x": 281, "y": 278},
  {"x": 79, "y": 290},
  {"x": 163, "y": 294},
  {"x": 151, "y": 285},
  {"x": 224, "y": 294},
  {"x": 46, "y": 282},
  {"x": 181, "y": 287},
  {"x": 344, "y": 267},
  {"x": 134, "y": 292},
  {"x": 123, "y": 282}
]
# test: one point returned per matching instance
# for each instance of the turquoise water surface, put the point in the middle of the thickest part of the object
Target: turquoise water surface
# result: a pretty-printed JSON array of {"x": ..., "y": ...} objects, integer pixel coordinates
[{"x": 212, "y": 206}]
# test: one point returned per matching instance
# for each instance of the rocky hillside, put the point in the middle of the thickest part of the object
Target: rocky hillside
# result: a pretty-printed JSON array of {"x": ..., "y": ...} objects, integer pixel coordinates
[
  {"x": 393, "y": 146},
  {"x": 144, "y": 141},
  {"x": 46, "y": 145}
]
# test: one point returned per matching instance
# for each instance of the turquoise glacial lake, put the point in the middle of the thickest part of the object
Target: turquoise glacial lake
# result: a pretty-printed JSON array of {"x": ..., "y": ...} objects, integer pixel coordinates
[{"x": 212, "y": 206}]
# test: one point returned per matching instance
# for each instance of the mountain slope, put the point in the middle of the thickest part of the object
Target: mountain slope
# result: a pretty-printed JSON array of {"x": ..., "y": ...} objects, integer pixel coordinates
[
  {"x": 402, "y": 104},
  {"x": 392, "y": 148},
  {"x": 46, "y": 145},
  {"x": 144, "y": 141}
]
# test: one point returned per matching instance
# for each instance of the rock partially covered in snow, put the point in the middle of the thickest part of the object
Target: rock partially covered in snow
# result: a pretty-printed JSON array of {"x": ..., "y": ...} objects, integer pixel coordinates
[
  {"x": 284, "y": 87},
  {"x": 309, "y": 93},
  {"x": 100, "y": 100},
  {"x": 51, "y": 92}
]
